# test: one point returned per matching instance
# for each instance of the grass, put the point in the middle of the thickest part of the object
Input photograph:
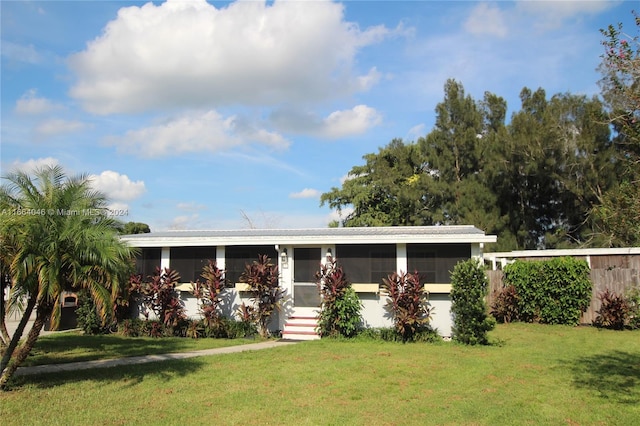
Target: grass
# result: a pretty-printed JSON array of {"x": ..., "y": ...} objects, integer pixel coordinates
[
  {"x": 73, "y": 346},
  {"x": 538, "y": 375}
]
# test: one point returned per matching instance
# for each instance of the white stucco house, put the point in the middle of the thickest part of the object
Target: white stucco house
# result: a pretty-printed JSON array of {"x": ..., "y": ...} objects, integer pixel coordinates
[{"x": 367, "y": 254}]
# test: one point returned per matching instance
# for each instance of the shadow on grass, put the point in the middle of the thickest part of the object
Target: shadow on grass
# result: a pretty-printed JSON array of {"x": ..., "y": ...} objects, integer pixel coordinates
[
  {"x": 615, "y": 375},
  {"x": 127, "y": 375},
  {"x": 71, "y": 347}
]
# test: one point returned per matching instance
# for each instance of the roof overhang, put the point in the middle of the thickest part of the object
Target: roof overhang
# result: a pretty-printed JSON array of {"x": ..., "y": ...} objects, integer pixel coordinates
[
  {"x": 563, "y": 252},
  {"x": 314, "y": 236}
]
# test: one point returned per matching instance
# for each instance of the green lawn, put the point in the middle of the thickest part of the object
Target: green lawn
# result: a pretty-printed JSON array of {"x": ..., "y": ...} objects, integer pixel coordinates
[
  {"x": 552, "y": 375},
  {"x": 73, "y": 346}
]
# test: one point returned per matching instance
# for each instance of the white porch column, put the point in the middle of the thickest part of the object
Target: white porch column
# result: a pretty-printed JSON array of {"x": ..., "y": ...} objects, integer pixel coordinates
[
  {"x": 165, "y": 261},
  {"x": 220, "y": 257},
  {"x": 325, "y": 251},
  {"x": 402, "y": 264},
  {"x": 476, "y": 251}
]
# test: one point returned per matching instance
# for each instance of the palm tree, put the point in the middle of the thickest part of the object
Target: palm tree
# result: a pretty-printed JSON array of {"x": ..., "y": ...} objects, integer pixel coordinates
[{"x": 56, "y": 236}]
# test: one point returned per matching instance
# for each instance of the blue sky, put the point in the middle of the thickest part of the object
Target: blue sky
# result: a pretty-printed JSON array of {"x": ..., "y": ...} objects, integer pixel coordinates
[{"x": 222, "y": 115}]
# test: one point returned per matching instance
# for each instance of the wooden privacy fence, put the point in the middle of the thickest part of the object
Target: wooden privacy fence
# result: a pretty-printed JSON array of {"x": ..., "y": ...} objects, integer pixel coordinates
[{"x": 616, "y": 280}]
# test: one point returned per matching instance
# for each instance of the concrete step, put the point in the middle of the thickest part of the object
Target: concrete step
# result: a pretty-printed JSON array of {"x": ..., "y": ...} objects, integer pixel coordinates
[
  {"x": 296, "y": 335},
  {"x": 300, "y": 328}
]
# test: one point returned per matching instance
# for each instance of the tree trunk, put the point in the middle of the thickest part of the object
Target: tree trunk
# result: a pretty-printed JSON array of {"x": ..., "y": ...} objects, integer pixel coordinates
[
  {"x": 6, "y": 357},
  {"x": 5, "y": 338},
  {"x": 43, "y": 313}
]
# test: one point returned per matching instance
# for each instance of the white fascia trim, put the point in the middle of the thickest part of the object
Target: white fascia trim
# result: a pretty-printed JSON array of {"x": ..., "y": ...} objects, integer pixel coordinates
[
  {"x": 564, "y": 252},
  {"x": 354, "y": 239}
]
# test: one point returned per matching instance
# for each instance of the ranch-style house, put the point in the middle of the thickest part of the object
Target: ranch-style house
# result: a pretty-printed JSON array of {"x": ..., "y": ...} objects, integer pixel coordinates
[{"x": 366, "y": 254}]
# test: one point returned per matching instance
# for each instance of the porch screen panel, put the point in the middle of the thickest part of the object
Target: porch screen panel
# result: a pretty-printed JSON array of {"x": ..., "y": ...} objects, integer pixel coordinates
[
  {"x": 237, "y": 257},
  {"x": 148, "y": 260},
  {"x": 435, "y": 262},
  {"x": 366, "y": 263},
  {"x": 306, "y": 264},
  {"x": 189, "y": 261},
  {"x": 422, "y": 259}
]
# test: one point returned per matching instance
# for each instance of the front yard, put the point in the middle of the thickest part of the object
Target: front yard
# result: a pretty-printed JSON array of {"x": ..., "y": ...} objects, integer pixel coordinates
[{"x": 538, "y": 375}]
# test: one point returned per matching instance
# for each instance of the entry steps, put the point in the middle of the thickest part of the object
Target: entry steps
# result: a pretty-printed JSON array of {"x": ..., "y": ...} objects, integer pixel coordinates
[{"x": 301, "y": 328}]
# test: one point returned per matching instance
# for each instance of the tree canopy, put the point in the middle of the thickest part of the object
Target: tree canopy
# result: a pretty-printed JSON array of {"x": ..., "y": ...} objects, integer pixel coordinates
[
  {"x": 563, "y": 171},
  {"x": 617, "y": 217},
  {"x": 533, "y": 182},
  {"x": 55, "y": 236},
  {"x": 135, "y": 228}
]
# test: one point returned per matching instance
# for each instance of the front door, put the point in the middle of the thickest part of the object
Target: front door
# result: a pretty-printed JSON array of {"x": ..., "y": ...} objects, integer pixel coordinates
[{"x": 306, "y": 297}]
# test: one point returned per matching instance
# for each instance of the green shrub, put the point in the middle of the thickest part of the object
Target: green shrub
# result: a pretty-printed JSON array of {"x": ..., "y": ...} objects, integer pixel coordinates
[
  {"x": 390, "y": 334},
  {"x": 208, "y": 291},
  {"x": 408, "y": 304},
  {"x": 633, "y": 299},
  {"x": 618, "y": 311},
  {"x": 239, "y": 329},
  {"x": 468, "y": 290},
  {"x": 554, "y": 291},
  {"x": 505, "y": 306},
  {"x": 87, "y": 316},
  {"x": 262, "y": 278},
  {"x": 340, "y": 309},
  {"x": 131, "y": 327},
  {"x": 158, "y": 295},
  {"x": 614, "y": 311}
]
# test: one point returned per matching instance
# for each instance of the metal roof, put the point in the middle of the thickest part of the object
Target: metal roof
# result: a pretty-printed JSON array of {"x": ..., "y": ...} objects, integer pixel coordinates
[{"x": 349, "y": 235}]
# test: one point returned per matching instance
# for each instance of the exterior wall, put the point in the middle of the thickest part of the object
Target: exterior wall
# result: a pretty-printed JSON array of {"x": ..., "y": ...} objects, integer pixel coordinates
[
  {"x": 441, "y": 317},
  {"x": 373, "y": 312}
]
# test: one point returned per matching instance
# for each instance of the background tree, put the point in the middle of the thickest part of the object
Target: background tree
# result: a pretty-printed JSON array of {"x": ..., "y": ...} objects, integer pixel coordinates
[
  {"x": 549, "y": 171},
  {"x": 617, "y": 219},
  {"x": 135, "y": 228},
  {"x": 532, "y": 182},
  {"x": 455, "y": 153},
  {"x": 385, "y": 191},
  {"x": 52, "y": 245}
]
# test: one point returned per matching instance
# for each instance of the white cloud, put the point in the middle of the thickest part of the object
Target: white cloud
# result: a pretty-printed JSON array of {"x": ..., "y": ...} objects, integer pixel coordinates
[
  {"x": 486, "y": 19},
  {"x": 119, "y": 210},
  {"x": 357, "y": 120},
  {"x": 57, "y": 126},
  {"x": 340, "y": 215},
  {"x": 526, "y": 57},
  {"x": 32, "y": 165},
  {"x": 191, "y": 206},
  {"x": 337, "y": 124},
  {"x": 195, "y": 132},
  {"x": 305, "y": 193},
  {"x": 417, "y": 131},
  {"x": 20, "y": 53},
  {"x": 117, "y": 186},
  {"x": 184, "y": 222},
  {"x": 366, "y": 82},
  {"x": 190, "y": 53},
  {"x": 31, "y": 104},
  {"x": 552, "y": 14}
]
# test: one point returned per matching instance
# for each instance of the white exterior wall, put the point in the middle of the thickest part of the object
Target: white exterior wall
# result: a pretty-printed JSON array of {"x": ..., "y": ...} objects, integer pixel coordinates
[
  {"x": 441, "y": 318},
  {"x": 374, "y": 313}
]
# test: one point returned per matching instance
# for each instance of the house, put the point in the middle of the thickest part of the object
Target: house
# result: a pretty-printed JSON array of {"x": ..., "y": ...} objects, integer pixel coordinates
[{"x": 367, "y": 254}]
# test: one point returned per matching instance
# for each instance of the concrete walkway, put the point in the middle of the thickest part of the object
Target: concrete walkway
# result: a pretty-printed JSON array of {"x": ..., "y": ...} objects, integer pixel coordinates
[
  {"x": 12, "y": 323},
  {"x": 106, "y": 363}
]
